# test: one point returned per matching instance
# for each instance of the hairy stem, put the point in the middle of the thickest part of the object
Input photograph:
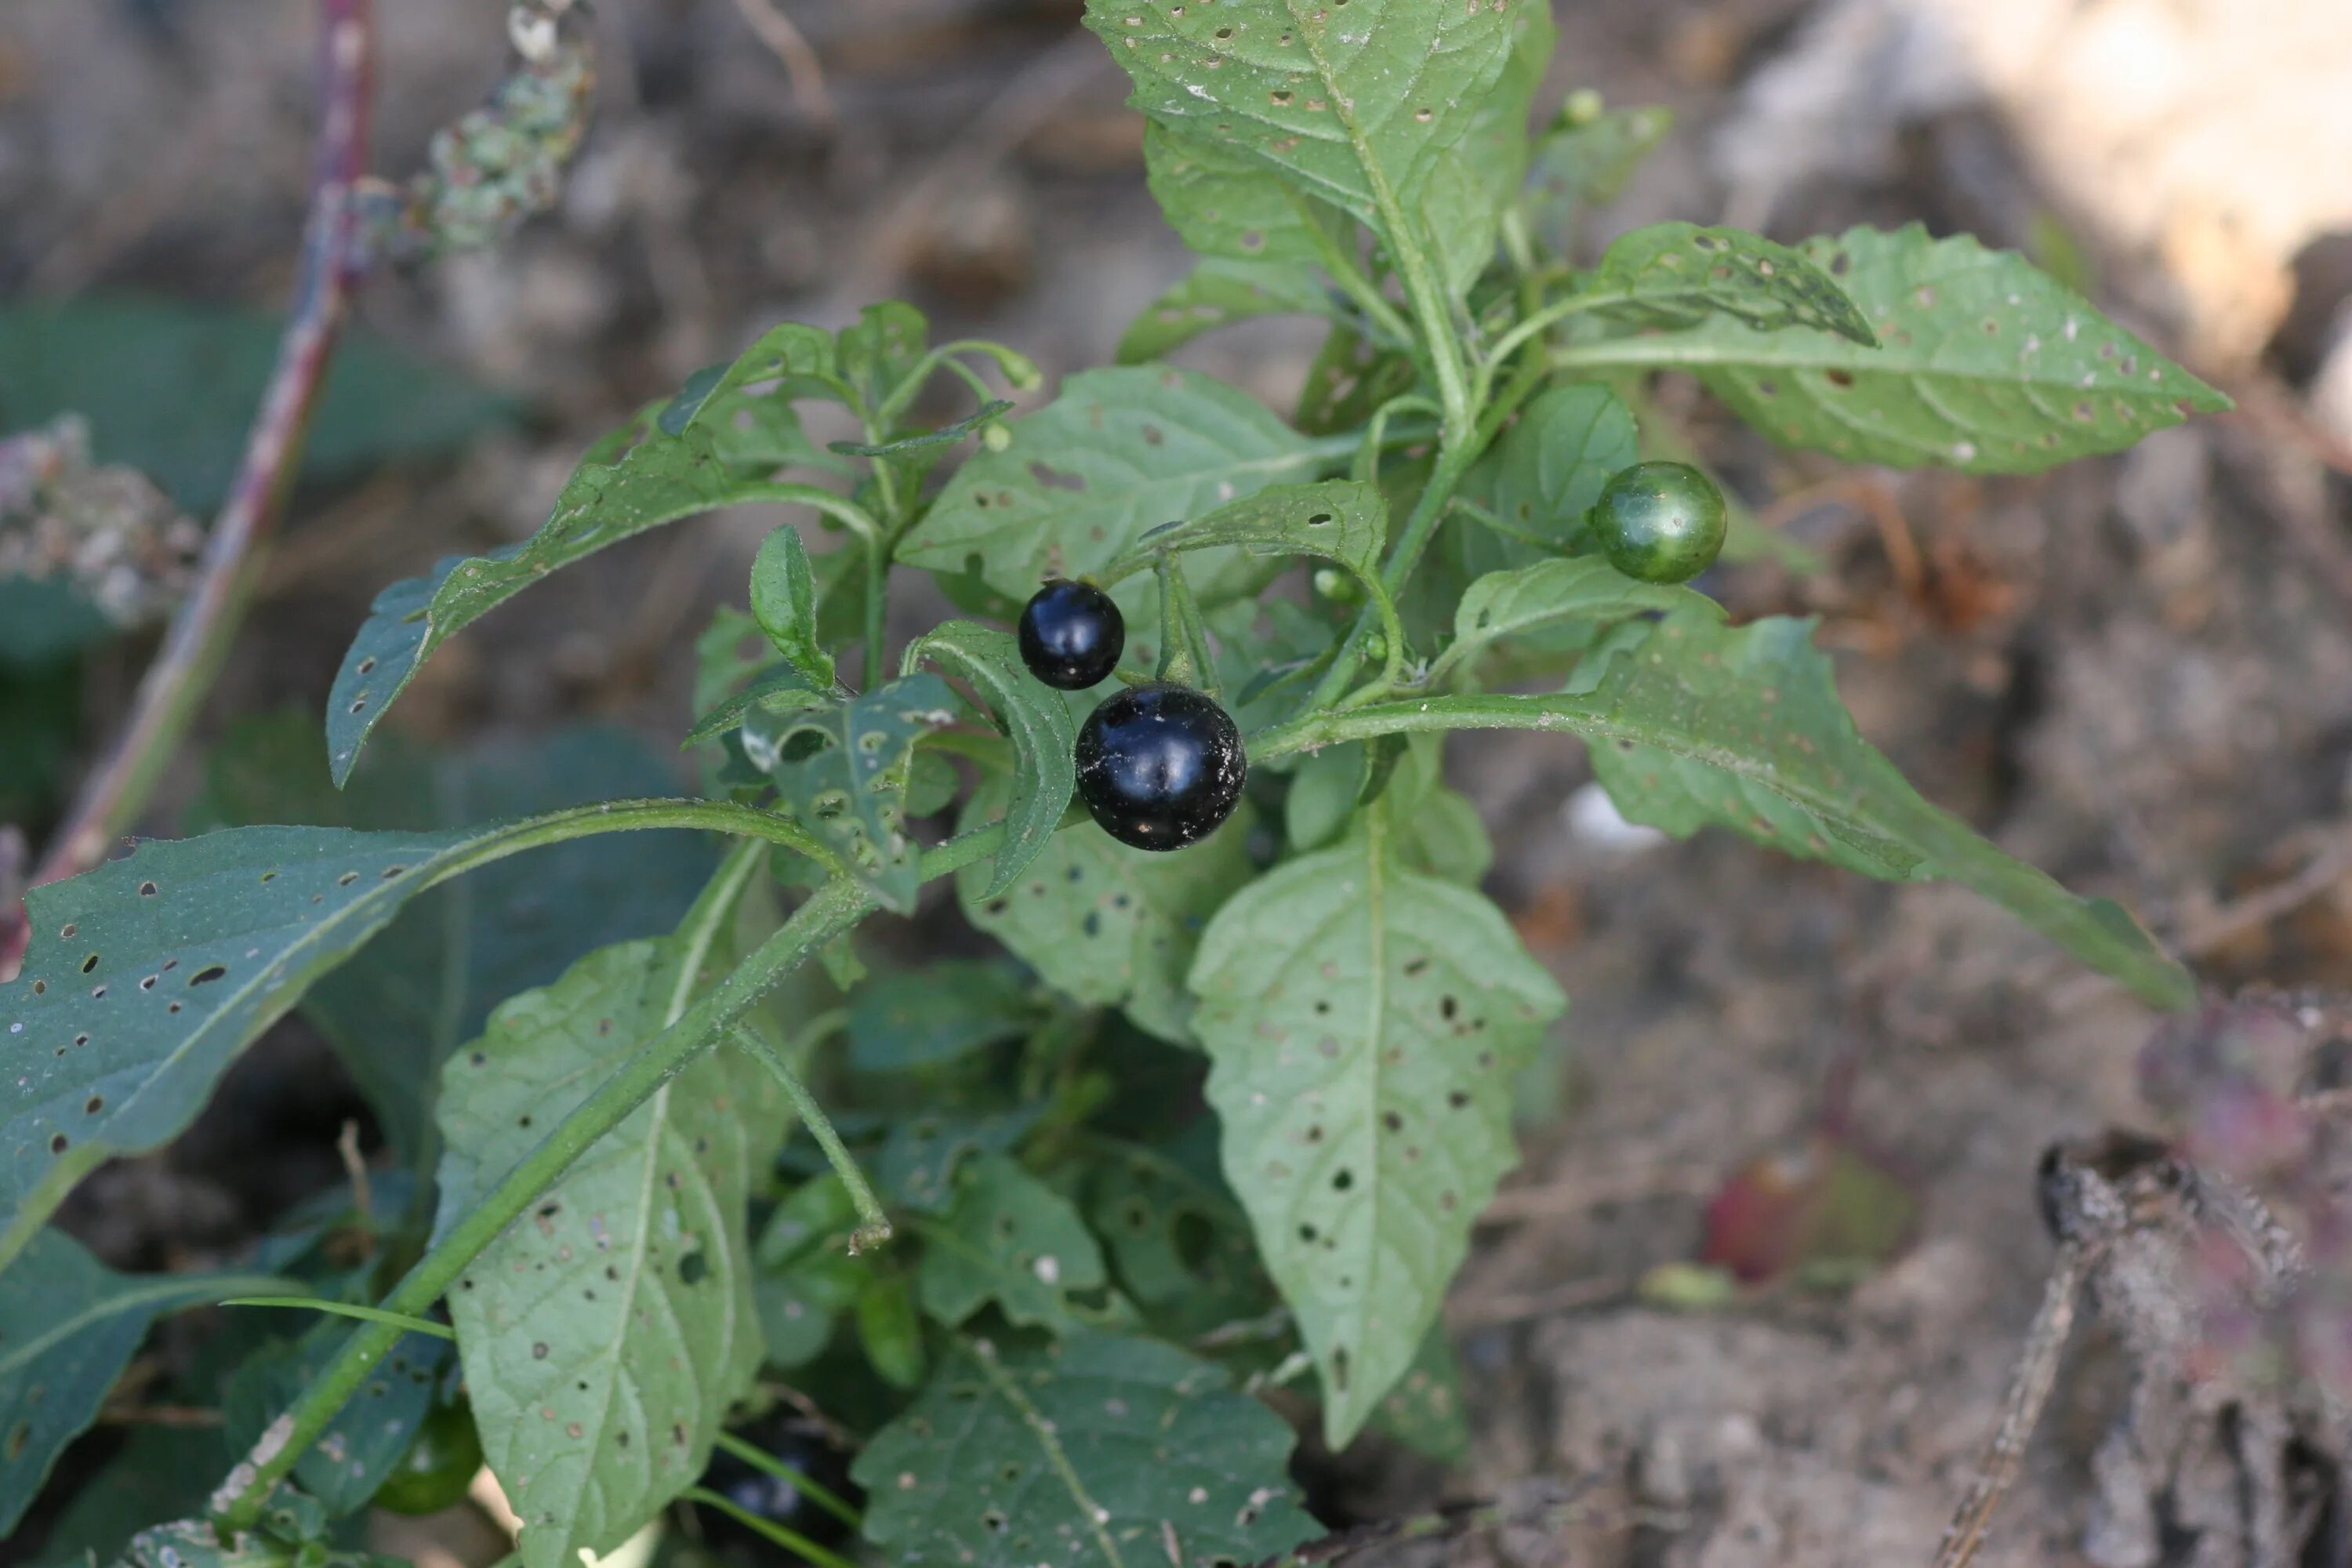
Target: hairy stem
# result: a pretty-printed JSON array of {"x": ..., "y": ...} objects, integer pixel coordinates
[
  {"x": 873, "y": 1225},
  {"x": 791, "y": 1540},
  {"x": 175, "y": 684},
  {"x": 806, "y": 1485}
]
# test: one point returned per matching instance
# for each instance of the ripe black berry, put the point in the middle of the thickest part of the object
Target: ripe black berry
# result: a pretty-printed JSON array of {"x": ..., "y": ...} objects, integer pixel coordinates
[
  {"x": 1661, "y": 522},
  {"x": 1071, "y": 635},
  {"x": 800, "y": 1447},
  {"x": 1160, "y": 766}
]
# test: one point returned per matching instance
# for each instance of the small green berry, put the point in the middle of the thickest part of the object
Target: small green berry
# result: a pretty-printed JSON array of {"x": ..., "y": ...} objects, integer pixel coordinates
[
  {"x": 1340, "y": 587},
  {"x": 996, "y": 434},
  {"x": 1582, "y": 107},
  {"x": 1376, "y": 645},
  {"x": 1660, "y": 522}
]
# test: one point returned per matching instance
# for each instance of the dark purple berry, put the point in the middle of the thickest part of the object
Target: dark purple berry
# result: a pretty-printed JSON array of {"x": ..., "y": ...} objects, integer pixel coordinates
[
  {"x": 1160, "y": 766},
  {"x": 1071, "y": 635}
]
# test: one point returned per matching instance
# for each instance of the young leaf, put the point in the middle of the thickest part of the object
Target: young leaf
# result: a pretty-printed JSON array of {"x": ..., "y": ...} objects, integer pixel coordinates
[
  {"x": 1585, "y": 164},
  {"x": 1094, "y": 1451},
  {"x": 605, "y": 1333},
  {"x": 926, "y": 441},
  {"x": 1217, "y": 293},
  {"x": 1444, "y": 837},
  {"x": 69, "y": 1325},
  {"x": 851, "y": 792},
  {"x": 940, "y": 1012},
  {"x": 1700, "y": 725},
  {"x": 1034, "y": 718},
  {"x": 408, "y": 998},
  {"x": 1362, "y": 1021},
  {"x": 1102, "y": 923},
  {"x": 1582, "y": 588},
  {"x": 807, "y": 1277},
  {"x": 890, "y": 1332},
  {"x": 1338, "y": 520},
  {"x": 669, "y": 464},
  {"x": 1984, "y": 364},
  {"x": 1352, "y": 105},
  {"x": 1120, "y": 451},
  {"x": 881, "y": 349},
  {"x": 1011, "y": 1239},
  {"x": 784, "y": 601},
  {"x": 1350, "y": 377},
  {"x": 1678, "y": 275}
]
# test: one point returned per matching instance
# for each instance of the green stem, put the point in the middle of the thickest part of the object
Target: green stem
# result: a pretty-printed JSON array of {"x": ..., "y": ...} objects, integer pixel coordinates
[
  {"x": 346, "y": 1309},
  {"x": 873, "y": 1225},
  {"x": 1535, "y": 326},
  {"x": 781, "y": 1535},
  {"x": 1488, "y": 519},
  {"x": 831, "y": 910},
  {"x": 807, "y": 1486},
  {"x": 1349, "y": 275},
  {"x": 1367, "y": 466}
]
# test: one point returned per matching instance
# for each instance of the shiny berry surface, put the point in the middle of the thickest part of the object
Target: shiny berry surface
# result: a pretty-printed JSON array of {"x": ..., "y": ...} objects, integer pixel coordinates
[
  {"x": 438, "y": 1465},
  {"x": 799, "y": 1446},
  {"x": 1661, "y": 522},
  {"x": 1071, "y": 635},
  {"x": 1160, "y": 766}
]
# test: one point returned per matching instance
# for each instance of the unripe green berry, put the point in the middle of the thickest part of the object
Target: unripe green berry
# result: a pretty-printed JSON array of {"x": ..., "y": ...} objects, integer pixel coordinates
[
  {"x": 1338, "y": 586},
  {"x": 1660, "y": 522}
]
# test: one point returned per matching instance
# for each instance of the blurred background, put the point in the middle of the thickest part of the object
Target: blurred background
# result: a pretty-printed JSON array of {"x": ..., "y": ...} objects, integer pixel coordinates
[{"x": 2136, "y": 672}]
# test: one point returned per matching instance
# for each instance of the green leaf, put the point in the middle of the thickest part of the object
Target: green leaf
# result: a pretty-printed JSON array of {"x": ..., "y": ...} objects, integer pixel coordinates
[
  {"x": 1444, "y": 837},
  {"x": 1094, "y": 1451},
  {"x": 1984, "y": 364},
  {"x": 940, "y": 1012},
  {"x": 1223, "y": 204},
  {"x": 1478, "y": 176},
  {"x": 919, "y": 1159},
  {"x": 807, "y": 1276},
  {"x": 1348, "y": 379},
  {"x": 1679, "y": 274},
  {"x": 881, "y": 349},
  {"x": 851, "y": 792},
  {"x": 890, "y": 1332},
  {"x": 1338, "y": 520},
  {"x": 1549, "y": 467},
  {"x": 1011, "y": 1239},
  {"x": 670, "y": 463},
  {"x": 402, "y": 1004},
  {"x": 1699, "y": 724},
  {"x": 292, "y": 1534},
  {"x": 926, "y": 440},
  {"x": 1581, "y": 166},
  {"x": 1351, "y": 105},
  {"x": 1036, "y": 721},
  {"x": 170, "y": 387},
  {"x": 1581, "y": 588},
  {"x": 1120, "y": 451},
  {"x": 43, "y": 624},
  {"x": 1102, "y": 923},
  {"x": 784, "y": 601},
  {"x": 1216, "y": 293},
  {"x": 605, "y": 1333},
  {"x": 69, "y": 1325},
  {"x": 160, "y": 1472},
  {"x": 1362, "y": 1022},
  {"x": 1178, "y": 1243},
  {"x": 368, "y": 1436}
]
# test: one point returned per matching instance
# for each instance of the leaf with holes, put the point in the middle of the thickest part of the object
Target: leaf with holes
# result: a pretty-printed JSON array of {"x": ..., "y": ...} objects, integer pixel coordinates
[
  {"x": 1007, "y": 1238},
  {"x": 1581, "y": 588},
  {"x": 402, "y": 1004},
  {"x": 605, "y": 1333},
  {"x": 1036, "y": 721},
  {"x": 368, "y": 1436},
  {"x": 1362, "y": 1022},
  {"x": 1218, "y": 292},
  {"x": 1478, "y": 176},
  {"x": 1093, "y": 1451},
  {"x": 147, "y": 976},
  {"x": 940, "y": 1012},
  {"x": 1348, "y": 379},
  {"x": 686, "y": 457},
  {"x": 1984, "y": 364},
  {"x": 784, "y": 601},
  {"x": 1120, "y": 451},
  {"x": 916, "y": 1166},
  {"x": 69, "y": 1325},
  {"x": 1697, "y": 724},
  {"x": 1425, "y": 1411},
  {"x": 1179, "y": 1244},
  {"x": 807, "y": 1275},
  {"x": 1105, "y": 925},
  {"x": 292, "y": 1534},
  {"x": 1338, "y": 520},
  {"x": 1679, "y": 274},
  {"x": 1223, "y": 206},
  {"x": 1352, "y": 102},
  {"x": 850, "y": 790}
]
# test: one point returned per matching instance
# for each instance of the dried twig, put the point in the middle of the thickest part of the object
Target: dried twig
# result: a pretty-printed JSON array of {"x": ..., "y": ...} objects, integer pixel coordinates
[
  {"x": 2028, "y": 1390},
  {"x": 192, "y": 649},
  {"x": 786, "y": 41}
]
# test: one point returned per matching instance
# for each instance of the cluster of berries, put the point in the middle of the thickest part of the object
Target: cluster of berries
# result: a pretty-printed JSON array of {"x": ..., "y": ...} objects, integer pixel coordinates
[{"x": 1160, "y": 766}]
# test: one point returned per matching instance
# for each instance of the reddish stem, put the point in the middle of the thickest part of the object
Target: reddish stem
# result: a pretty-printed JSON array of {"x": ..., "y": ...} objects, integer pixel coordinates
[{"x": 205, "y": 625}]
